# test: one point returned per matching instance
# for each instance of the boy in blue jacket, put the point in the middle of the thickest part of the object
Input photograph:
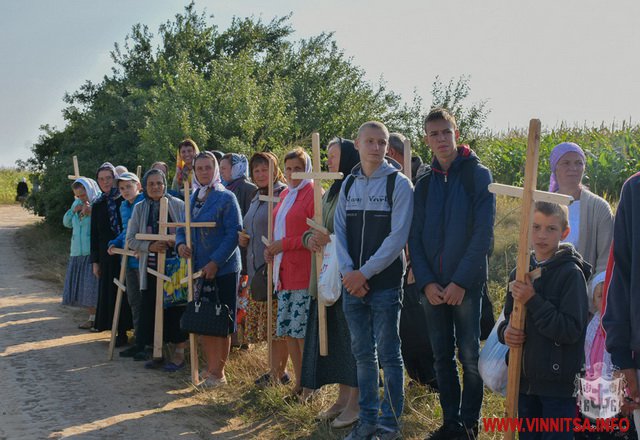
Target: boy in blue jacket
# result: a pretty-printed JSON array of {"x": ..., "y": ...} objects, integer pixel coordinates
[
  {"x": 450, "y": 238},
  {"x": 555, "y": 323},
  {"x": 131, "y": 191}
]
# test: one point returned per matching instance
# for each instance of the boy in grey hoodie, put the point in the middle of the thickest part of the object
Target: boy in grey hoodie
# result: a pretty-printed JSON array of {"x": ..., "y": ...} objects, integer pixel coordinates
[{"x": 371, "y": 223}]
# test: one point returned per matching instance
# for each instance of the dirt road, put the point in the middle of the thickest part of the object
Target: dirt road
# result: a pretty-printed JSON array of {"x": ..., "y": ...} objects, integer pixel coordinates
[{"x": 56, "y": 382}]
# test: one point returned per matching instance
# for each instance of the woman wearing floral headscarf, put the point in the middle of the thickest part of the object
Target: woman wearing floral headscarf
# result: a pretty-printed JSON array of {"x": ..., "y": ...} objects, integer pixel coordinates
[
  {"x": 80, "y": 286},
  {"x": 215, "y": 253},
  {"x": 291, "y": 260},
  {"x": 106, "y": 224},
  {"x": 590, "y": 216}
]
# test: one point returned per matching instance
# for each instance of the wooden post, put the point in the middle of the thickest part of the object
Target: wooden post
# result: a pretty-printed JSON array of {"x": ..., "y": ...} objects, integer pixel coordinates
[
  {"x": 318, "y": 176},
  {"x": 270, "y": 199},
  {"x": 407, "y": 158},
  {"x": 120, "y": 282},
  {"x": 139, "y": 171},
  {"x": 76, "y": 170},
  {"x": 193, "y": 343}
]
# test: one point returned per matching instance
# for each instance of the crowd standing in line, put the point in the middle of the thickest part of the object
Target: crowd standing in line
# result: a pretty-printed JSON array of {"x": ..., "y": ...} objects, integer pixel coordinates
[{"x": 380, "y": 224}]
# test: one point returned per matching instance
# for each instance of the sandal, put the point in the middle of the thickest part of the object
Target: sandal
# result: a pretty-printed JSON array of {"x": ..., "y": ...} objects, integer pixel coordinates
[{"x": 86, "y": 326}]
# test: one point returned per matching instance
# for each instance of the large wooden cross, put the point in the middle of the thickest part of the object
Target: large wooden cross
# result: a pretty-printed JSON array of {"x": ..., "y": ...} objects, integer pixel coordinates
[
  {"x": 120, "y": 282},
  {"x": 270, "y": 199},
  {"x": 187, "y": 224},
  {"x": 76, "y": 170},
  {"x": 318, "y": 176},
  {"x": 529, "y": 195},
  {"x": 159, "y": 274}
]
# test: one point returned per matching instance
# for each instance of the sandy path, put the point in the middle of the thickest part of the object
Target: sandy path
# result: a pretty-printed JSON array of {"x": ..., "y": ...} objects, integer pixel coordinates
[{"x": 55, "y": 381}]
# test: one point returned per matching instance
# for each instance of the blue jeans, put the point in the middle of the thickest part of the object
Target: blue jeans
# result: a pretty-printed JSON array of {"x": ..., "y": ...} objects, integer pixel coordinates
[
  {"x": 451, "y": 327},
  {"x": 374, "y": 323},
  {"x": 532, "y": 406}
]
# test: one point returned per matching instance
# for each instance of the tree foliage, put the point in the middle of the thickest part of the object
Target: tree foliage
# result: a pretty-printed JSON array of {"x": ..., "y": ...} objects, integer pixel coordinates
[{"x": 246, "y": 88}]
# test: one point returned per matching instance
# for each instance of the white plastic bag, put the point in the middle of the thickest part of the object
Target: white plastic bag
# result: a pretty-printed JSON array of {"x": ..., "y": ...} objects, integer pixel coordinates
[
  {"x": 329, "y": 283},
  {"x": 492, "y": 364}
]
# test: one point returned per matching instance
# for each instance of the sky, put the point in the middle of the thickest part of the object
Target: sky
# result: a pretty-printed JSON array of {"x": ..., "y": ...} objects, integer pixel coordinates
[{"x": 563, "y": 61}]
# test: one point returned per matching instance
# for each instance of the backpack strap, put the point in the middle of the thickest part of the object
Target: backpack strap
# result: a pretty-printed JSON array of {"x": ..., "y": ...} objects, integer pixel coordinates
[
  {"x": 348, "y": 184},
  {"x": 391, "y": 186}
]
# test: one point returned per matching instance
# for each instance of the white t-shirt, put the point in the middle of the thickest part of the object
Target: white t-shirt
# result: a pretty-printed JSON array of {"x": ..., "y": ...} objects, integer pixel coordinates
[{"x": 574, "y": 224}]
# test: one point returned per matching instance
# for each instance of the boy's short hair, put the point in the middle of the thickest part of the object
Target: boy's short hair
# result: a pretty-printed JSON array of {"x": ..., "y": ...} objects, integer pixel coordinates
[
  {"x": 373, "y": 124},
  {"x": 440, "y": 113},
  {"x": 396, "y": 141},
  {"x": 549, "y": 209}
]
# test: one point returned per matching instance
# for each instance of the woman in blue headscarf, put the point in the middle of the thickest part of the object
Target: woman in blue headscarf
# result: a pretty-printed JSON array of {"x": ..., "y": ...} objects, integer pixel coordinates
[
  {"x": 106, "y": 224},
  {"x": 80, "y": 286}
]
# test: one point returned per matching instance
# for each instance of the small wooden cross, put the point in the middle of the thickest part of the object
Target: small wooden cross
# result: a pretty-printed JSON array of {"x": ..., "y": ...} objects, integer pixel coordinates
[
  {"x": 318, "y": 176},
  {"x": 270, "y": 199},
  {"x": 187, "y": 224},
  {"x": 139, "y": 172},
  {"x": 76, "y": 170},
  {"x": 529, "y": 195},
  {"x": 159, "y": 274},
  {"x": 120, "y": 282}
]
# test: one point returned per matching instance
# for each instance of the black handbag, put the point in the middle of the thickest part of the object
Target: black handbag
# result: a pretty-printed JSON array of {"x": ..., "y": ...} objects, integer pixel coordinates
[
  {"x": 259, "y": 284},
  {"x": 206, "y": 317}
]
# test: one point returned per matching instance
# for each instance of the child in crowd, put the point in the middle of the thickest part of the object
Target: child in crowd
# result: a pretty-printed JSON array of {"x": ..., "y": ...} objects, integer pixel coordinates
[
  {"x": 131, "y": 191},
  {"x": 556, "y": 320},
  {"x": 80, "y": 286}
]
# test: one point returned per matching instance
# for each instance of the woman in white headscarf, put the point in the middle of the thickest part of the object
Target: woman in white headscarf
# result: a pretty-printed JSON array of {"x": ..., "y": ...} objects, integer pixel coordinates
[
  {"x": 80, "y": 285},
  {"x": 291, "y": 260},
  {"x": 214, "y": 252}
]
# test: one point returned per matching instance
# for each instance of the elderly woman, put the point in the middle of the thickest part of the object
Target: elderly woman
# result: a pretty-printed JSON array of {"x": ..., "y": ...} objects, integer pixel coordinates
[
  {"x": 145, "y": 219},
  {"x": 215, "y": 253},
  {"x": 340, "y": 365},
  {"x": 256, "y": 226},
  {"x": 590, "y": 216},
  {"x": 106, "y": 224},
  {"x": 291, "y": 260}
]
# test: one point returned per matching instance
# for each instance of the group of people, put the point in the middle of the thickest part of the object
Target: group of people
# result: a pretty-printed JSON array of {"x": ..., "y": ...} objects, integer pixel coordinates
[{"x": 434, "y": 234}]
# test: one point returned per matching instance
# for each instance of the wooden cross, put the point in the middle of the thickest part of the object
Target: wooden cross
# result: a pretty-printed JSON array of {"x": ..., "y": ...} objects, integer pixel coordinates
[
  {"x": 270, "y": 199},
  {"x": 139, "y": 171},
  {"x": 406, "y": 167},
  {"x": 317, "y": 176},
  {"x": 159, "y": 274},
  {"x": 120, "y": 282},
  {"x": 76, "y": 170},
  {"x": 193, "y": 343},
  {"x": 529, "y": 195}
]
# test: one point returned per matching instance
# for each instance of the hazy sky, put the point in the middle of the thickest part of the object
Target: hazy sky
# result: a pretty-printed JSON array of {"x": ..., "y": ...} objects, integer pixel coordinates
[{"x": 576, "y": 61}]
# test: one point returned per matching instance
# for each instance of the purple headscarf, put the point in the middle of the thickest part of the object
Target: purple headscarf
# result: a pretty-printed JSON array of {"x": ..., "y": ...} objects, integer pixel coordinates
[{"x": 557, "y": 152}]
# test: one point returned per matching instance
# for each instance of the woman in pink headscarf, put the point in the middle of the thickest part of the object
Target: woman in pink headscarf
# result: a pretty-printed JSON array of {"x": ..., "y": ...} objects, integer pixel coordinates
[{"x": 590, "y": 216}]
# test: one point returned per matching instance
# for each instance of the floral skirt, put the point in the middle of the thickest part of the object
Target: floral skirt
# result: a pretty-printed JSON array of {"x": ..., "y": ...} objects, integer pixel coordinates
[
  {"x": 293, "y": 310},
  {"x": 256, "y": 322}
]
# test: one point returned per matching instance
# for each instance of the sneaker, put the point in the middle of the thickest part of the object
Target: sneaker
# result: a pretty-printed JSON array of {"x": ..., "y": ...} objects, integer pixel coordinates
[
  {"x": 142, "y": 355},
  {"x": 385, "y": 434},
  {"x": 265, "y": 380},
  {"x": 362, "y": 431},
  {"x": 471, "y": 431},
  {"x": 448, "y": 431}
]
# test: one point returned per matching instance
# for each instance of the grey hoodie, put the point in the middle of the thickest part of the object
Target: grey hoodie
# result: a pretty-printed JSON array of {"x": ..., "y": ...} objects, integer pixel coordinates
[{"x": 370, "y": 234}]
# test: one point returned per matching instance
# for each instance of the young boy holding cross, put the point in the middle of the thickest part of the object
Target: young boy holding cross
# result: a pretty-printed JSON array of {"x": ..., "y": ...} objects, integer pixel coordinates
[
  {"x": 371, "y": 225},
  {"x": 555, "y": 323},
  {"x": 131, "y": 190}
]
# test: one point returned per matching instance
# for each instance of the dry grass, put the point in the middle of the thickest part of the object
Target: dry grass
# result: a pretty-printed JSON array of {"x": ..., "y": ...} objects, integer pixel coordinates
[{"x": 271, "y": 411}]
